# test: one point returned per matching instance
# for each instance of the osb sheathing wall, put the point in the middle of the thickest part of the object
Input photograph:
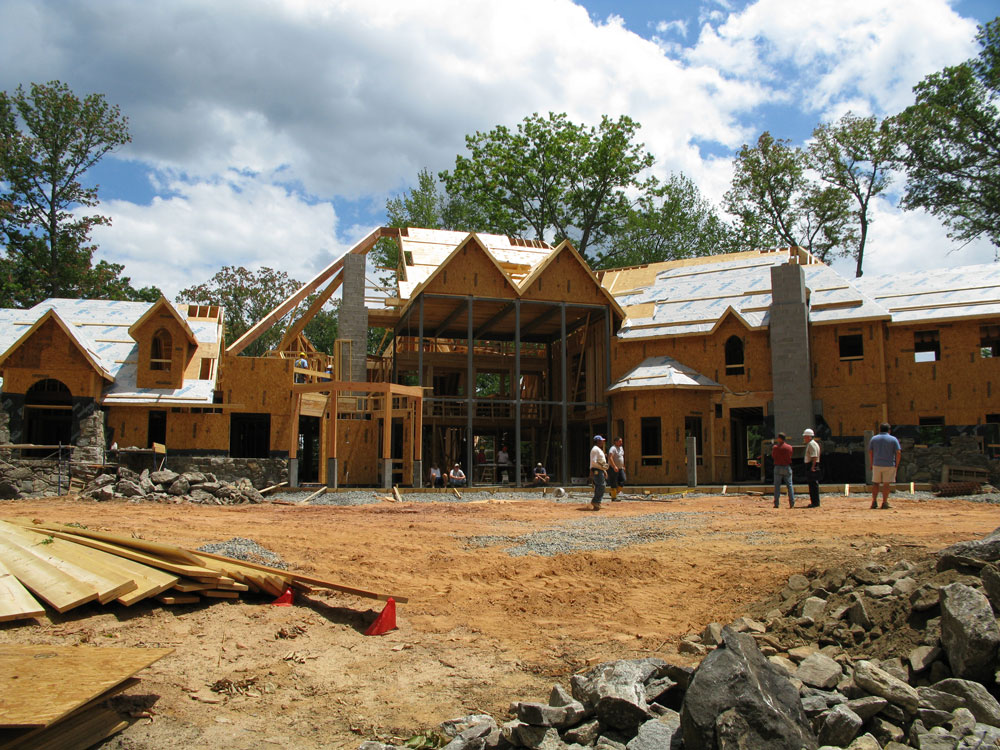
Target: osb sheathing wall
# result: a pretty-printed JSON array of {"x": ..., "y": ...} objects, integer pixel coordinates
[
  {"x": 180, "y": 352},
  {"x": 50, "y": 353},
  {"x": 471, "y": 271},
  {"x": 185, "y": 431},
  {"x": 357, "y": 452},
  {"x": 565, "y": 280},
  {"x": 671, "y": 406},
  {"x": 261, "y": 385},
  {"x": 961, "y": 387},
  {"x": 852, "y": 391}
]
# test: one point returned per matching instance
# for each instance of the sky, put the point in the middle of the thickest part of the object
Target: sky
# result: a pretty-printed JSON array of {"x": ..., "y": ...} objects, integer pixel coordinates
[{"x": 272, "y": 132}]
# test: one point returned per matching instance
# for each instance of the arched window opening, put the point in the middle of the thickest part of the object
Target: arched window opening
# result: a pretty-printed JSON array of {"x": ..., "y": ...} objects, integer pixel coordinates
[
  {"x": 159, "y": 357},
  {"x": 734, "y": 355},
  {"x": 48, "y": 415}
]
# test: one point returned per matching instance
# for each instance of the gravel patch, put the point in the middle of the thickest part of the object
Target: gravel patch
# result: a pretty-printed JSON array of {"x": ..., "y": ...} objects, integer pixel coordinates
[
  {"x": 589, "y": 534},
  {"x": 241, "y": 548}
]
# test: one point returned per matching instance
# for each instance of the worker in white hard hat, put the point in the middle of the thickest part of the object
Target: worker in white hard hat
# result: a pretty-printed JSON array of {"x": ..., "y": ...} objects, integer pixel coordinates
[{"x": 813, "y": 471}]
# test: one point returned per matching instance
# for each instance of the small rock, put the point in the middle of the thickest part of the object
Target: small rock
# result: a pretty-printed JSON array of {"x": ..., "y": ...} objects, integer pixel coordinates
[
  {"x": 969, "y": 632},
  {"x": 879, "y": 682},
  {"x": 819, "y": 671},
  {"x": 977, "y": 699},
  {"x": 813, "y": 608},
  {"x": 840, "y": 726},
  {"x": 878, "y": 591},
  {"x": 865, "y": 742},
  {"x": 923, "y": 656}
]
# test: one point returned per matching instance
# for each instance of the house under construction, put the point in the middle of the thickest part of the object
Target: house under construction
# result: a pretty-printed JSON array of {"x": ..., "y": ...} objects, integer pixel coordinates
[{"x": 499, "y": 342}]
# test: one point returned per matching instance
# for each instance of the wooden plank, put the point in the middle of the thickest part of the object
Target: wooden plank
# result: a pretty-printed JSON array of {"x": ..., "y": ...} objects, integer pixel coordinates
[
  {"x": 35, "y": 691},
  {"x": 192, "y": 571},
  {"x": 395, "y": 494},
  {"x": 169, "y": 552},
  {"x": 317, "y": 582},
  {"x": 186, "y": 587},
  {"x": 110, "y": 583},
  {"x": 15, "y": 601},
  {"x": 176, "y": 599},
  {"x": 61, "y": 591},
  {"x": 221, "y": 594}
]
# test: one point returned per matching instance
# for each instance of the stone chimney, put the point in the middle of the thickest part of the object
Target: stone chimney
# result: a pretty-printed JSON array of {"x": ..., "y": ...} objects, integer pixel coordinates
[{"x": 791, "y": 372}]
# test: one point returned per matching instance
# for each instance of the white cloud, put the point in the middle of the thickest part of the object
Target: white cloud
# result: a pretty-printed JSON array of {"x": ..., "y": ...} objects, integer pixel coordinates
[
  {"x": 833, "y": 52},
  {"x": 349, "y": 99},
  {"x": 183, "y": 239}
]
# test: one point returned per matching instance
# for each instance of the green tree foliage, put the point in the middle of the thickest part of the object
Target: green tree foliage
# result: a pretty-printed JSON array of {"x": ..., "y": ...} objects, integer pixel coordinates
[
  {"x": 951, "y": 136},
  {"x": 49, "y": 138},
  {"x": 551, "y": 177},
  {"x": 424, "y": 206},
  {"x": 248, "y": 296},
  {"x": 775, "y": 203},
  {"x": 671, "y": 221},
  {"x": 855, "y": 155}
]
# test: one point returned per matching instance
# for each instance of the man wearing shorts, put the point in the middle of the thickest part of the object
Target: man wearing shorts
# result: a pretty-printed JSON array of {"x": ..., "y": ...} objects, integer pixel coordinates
[
  {"x": 884, "y": 451},
  {"x": 616, "y": 469}
]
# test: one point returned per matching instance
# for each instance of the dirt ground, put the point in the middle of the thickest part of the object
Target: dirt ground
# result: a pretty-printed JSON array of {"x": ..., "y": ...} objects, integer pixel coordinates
[{"x": 481, "y": 627}]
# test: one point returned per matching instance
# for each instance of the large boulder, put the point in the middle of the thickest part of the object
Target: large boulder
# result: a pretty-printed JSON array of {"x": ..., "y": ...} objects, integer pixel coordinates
[
  {"x": 128, "y": 488},
  {"x": 974, "y": 697},
  {"x": 877, "y": 681},
  {"x": 737, "y": 693},
  {"x": 164, "y": 477},
  {"x": 986, "y": 549},
  {"x": 616, "y": 690},
  {"x": 969, "y": 632},
  {"x": 179, "y": 486}
]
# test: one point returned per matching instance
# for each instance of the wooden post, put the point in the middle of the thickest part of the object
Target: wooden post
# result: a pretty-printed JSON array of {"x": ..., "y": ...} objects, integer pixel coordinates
[
  {"x": 332, "y": 479},
  {"x": 418, "y": 441},
  {"x": 470, "y": 390},
  {"x": 387, "y": 438},
  {"x": 293, "y": 448}
]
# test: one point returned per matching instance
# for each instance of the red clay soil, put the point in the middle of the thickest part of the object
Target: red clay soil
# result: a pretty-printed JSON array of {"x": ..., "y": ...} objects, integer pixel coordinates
[{"x": 481, "y": 627}]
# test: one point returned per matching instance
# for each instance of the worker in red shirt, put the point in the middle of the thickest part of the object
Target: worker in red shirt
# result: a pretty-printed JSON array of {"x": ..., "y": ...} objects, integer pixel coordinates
[{"x": 782, "y": 455}]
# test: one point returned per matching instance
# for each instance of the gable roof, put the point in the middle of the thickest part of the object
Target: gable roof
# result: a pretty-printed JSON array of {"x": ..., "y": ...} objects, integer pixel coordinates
[
  {"x": 78, "y": 340},
  {"x": 101, "y": 329},
  {"x": 662, "y": 372},
  {"x": 153, "y": 310}
]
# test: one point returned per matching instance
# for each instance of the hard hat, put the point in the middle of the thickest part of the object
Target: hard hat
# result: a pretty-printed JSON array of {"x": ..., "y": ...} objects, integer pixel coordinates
[{"x": 807, "y": 432}]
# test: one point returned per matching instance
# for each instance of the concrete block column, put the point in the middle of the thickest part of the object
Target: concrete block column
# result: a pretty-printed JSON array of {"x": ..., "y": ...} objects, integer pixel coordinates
[
  {"x": 353, "y": 320},
  {"x": 791, "y": 365}
]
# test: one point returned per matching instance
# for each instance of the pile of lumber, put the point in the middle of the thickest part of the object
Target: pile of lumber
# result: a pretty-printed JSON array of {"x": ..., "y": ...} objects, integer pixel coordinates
[
  {"x": 68, "y": 566},
  {"x": 41, "y": 708}
]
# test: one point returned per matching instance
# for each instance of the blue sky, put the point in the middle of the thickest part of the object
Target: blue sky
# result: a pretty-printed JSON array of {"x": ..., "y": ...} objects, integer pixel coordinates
[{"x": 272, "y": 133}]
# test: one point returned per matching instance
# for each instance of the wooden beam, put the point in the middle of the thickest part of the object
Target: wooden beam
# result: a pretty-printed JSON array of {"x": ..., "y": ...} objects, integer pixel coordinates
[
  {"x": 459, "y": 309},
  {"x": 504, "y": 311},
  {"x": 539, "y": 320},
  {"x": 336, "y": 386},
  {"x": 299, "y": 325},
  {"x": 265, "y": 323}
]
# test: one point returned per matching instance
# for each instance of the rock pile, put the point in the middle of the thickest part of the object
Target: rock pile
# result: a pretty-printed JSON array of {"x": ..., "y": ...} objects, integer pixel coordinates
[
  {"x": 170, "y": 487},
  {"x": 876, "y": 657}
]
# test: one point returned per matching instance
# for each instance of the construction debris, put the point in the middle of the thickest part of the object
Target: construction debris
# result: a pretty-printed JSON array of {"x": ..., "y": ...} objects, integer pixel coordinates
[
  {"x": 41, "y": 708},
  {"x": 67, "y": 566}
]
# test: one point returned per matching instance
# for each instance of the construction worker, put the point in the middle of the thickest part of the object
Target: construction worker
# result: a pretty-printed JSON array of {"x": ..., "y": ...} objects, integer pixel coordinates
[
  {"x": 303, "y": 364},
  {"x": 598, "y": 471},
  {"x": 616, "y": 469}
]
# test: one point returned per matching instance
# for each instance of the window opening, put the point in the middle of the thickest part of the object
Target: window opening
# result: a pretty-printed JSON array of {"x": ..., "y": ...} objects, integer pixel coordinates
[
  {"x": 650, "y": 441},
  {"x": 989, "y": 341},
  {"x": 852, "y": 346},
  {"x": 159, "y": 357},
  {"x": 926, "y": 346},
  {"x": 734, "y": 355}
]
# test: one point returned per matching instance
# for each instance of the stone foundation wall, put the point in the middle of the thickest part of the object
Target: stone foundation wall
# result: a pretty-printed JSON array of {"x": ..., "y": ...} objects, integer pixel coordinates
[
  {"x": 28, "y": 477},
  {"x": 924, "y": 464}
]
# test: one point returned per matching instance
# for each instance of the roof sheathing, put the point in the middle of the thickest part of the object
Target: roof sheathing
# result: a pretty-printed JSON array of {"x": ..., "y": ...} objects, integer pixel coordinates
[
  {"x": 101, "y": 329},
  {"x": 947, "y": 293}
]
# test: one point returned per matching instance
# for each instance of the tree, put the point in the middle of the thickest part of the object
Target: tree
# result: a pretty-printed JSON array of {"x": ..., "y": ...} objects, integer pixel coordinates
[
  {"x": 670, "y": 222},
  {"x": 423, "y": 206},
  {"x": 855, "y": 155},
  {"x": 552, "y": 177},
  {"x": 775, "y": 203},
  {"x": 48, "y": 139},
  {"x": 246, "y": 297},
  {"x": 951, "y": 136}
]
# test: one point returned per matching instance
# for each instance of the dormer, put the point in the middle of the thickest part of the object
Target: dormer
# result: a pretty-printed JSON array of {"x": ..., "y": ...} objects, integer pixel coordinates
[{"x": 166, "y": 344}]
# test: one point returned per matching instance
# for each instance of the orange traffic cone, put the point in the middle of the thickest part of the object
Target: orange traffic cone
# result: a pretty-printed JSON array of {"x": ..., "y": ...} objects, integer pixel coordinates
[
  {"x": 386, "y": 620},
  {"x": 285, "y": 600}
]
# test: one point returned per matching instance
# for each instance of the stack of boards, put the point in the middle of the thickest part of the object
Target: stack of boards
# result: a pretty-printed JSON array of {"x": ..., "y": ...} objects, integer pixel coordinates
[
  {"x": 68, "y": 566},
  {"x": 42, "y": 709}
]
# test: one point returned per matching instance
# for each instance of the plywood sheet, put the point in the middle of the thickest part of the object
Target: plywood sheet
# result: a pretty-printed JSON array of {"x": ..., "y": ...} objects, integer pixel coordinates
[{"x": 35, "y": 691}]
